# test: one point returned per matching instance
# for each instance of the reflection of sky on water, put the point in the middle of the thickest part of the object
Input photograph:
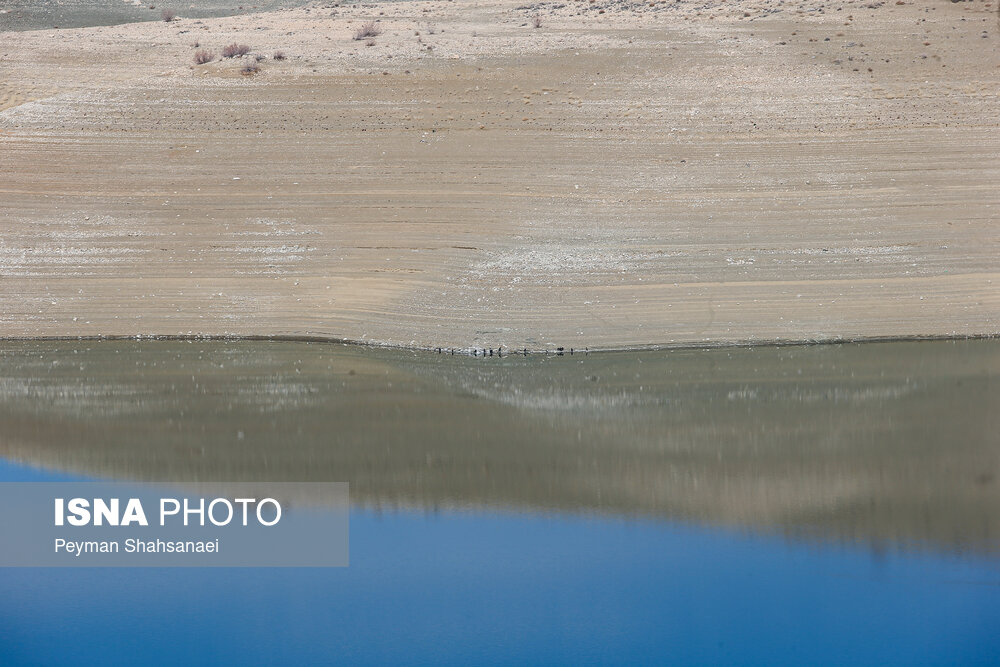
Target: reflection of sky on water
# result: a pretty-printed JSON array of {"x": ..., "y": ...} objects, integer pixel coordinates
[{"x": 505, "y": 588}]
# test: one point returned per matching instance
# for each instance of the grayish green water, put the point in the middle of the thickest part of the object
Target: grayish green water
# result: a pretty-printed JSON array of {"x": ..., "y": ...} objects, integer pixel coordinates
[
  {"x": 891, "y": 445},
  {"x": 45, "y": 14}
]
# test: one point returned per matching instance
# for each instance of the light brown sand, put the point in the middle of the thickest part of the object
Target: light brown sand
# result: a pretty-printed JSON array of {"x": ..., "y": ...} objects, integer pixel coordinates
[{"x": 677, "y": 174}]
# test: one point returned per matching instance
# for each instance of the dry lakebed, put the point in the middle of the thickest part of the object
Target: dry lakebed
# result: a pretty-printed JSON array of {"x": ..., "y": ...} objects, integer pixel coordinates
[{"x": 482, "y": 175}]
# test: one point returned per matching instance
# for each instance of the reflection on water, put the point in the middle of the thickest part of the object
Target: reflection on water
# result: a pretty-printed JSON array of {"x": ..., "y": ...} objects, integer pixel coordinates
[
  {"x": 492, "y": 588},
  {"x": 45, "y": 14},
  {"x": 890, "y": 445},
  {"x": 610, "y": 508}
]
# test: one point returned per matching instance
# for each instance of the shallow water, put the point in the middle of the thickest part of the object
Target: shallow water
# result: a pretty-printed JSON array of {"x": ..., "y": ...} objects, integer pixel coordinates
[
  {"x": 815, "y": 505},
  {"x": 45, "y": 14}
]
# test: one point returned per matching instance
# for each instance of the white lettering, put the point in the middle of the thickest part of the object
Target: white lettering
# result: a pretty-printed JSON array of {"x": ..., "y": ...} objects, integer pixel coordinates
[
  {"x": 277, "y": 511},
  {"x": 211, "y": 511},
  {"x": 80, "y": 512}
]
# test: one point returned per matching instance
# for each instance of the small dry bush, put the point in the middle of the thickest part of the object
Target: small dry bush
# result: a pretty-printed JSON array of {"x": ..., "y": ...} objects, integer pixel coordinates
[
  {"x": 168, "y": 15},
  {"x": 202, "y": 56},
  {"x": 250, "y": 69},
  {"x": 367, "y": 30},
  {"x": 279, "y": 55},
  {"x": 235, "y": 50}
]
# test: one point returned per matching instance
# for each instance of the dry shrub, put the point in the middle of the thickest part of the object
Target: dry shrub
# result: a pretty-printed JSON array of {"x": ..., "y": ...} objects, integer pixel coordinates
[
  {"x": 168, "y": 15},
  {"x": 235, "y": 50},
  {"x": 279, "y": 55},
  {"x": 366, "y": 30},
  {"x": 202, "y": 56},
  {"x": 250, "y": 69}
]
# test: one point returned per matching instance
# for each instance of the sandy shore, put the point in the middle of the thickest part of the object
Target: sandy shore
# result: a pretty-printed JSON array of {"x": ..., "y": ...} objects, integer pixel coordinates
[{"x": 626, "y": 174}]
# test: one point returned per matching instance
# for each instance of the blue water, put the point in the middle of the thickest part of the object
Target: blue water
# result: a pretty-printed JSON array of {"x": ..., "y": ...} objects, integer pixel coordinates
[{"x": 493, "y": 588}]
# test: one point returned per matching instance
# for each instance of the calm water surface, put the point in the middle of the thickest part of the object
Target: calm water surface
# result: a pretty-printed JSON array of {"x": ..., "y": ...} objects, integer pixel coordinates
[
  {"x": 815, "y": 505},
  {"x": 46, "y": 14}
]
